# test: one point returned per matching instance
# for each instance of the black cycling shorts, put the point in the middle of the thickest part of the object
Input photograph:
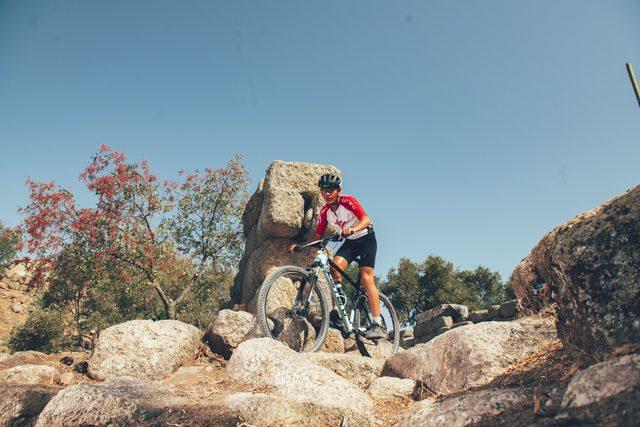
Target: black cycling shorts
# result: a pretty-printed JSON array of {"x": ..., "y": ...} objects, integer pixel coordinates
[{"x": 364, "y": 249}]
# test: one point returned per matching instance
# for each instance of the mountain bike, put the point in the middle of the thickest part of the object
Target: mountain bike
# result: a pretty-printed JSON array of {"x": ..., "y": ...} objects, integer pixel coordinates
[{"x": 293, "y": 307}]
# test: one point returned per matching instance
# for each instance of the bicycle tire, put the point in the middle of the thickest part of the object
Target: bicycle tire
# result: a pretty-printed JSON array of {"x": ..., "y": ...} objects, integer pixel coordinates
[
  {"x": 263, "y": 314},
  {"x": 362, "y": 309}
]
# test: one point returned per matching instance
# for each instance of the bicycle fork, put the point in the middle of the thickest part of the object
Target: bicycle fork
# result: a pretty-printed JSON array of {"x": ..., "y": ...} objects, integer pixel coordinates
[{"x": 339, "y": 298}]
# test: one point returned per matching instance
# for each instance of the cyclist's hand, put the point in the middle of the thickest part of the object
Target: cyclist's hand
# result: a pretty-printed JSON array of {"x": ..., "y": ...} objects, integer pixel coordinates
[
  {"x": 347, "y": 231},
  {"x": 294, "y": 248}
]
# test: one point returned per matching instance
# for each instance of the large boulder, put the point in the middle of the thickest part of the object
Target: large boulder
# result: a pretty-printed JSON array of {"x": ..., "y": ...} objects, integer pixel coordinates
[
  {"x": 281, "y": 211},
  {"x": 143, "y": 348},
  {"x": 268, "y": 363},
  {"x": 128, "y": 401},
  {"x": 606, "y": 393},
  {"x": 270, "y": 254},
  {"x": 21, "y": 404},
  {"x": 592, "y": 263},
  {"x": 30, "y": 374},
  {"x": 467, "y": 409},
  {"x": 472, "y": 355},
  {"x": 267, "y": 410},
  {"x": 23, "y": 358},
  {"x": 228, "y": 329},
  {"x": 358, "y": 370}
]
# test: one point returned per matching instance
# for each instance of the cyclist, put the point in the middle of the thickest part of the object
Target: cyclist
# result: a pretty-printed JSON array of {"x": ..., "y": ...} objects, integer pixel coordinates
[{"x": 345, "y": 215}]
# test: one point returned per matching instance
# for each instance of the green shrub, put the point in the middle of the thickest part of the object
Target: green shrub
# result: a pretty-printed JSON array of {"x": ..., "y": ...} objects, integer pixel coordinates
[{"x": 43, "y": 331}]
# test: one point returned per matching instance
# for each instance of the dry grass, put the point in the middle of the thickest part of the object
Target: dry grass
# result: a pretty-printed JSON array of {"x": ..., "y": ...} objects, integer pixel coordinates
[
  {"x": 550, "y": 364},
  {"x": 389, "y": 411}
]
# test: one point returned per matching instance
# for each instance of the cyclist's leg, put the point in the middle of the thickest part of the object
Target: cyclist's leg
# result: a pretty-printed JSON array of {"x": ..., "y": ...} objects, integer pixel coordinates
[
  {"x": 343, "y": 257},
  {"x": 366, "y": 278},
  {"x": 367, "y": 253}
]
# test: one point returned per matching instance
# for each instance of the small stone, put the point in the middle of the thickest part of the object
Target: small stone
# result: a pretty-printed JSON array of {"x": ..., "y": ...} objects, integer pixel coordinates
[
  {"x": 478, "y": 316},
  {"x": 406, "y": 333},
  {"x": 16, "y": 308},
  {"x": 81, "y": 367},
  {"x": 508, "y": 309},
  {"x": 67, "y": 360},
  {"x": 457, "y": 311},
  {"x": 441, "y": 322},
  {"x": 388, "y": 387},
  {"x": 422, "y": 329},
  {"x": 493, "y": 312}
]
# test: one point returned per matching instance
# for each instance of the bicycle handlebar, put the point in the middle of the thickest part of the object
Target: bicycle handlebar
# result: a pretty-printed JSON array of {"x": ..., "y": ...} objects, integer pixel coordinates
[{"x": 321, "y": 244}]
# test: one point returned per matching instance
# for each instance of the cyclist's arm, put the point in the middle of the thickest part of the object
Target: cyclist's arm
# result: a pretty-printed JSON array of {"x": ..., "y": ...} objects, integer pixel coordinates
[
  {"x": 361, "y": 225},
  {"x": 292, "y": 247}
]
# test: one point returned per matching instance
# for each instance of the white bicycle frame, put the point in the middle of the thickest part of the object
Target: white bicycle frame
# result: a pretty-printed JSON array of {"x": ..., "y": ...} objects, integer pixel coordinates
[{"x": 323, "y": 261}]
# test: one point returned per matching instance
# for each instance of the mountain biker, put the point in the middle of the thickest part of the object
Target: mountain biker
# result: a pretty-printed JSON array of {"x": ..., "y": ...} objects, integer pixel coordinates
[{"x": 345, "y": 215}]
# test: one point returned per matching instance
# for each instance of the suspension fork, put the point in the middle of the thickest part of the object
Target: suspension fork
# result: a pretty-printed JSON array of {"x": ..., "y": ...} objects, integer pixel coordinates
[
  {"x": 304, "y": 292},
  {"x": 346, "y": 322}
]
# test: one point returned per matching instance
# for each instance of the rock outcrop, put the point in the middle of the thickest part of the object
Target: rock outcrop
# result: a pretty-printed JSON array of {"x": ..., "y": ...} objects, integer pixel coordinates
[
  {"x": 358, "y": 370},
  {"x": 267, "y": 410},
  {"x": 30, "y": 374},
  {"x": 21, "y": 404},
  {"x": 607, "y": 393},
  {"x": 128, "y": 401},
  {"x": 472, "y": 355},
  {"x": 268, "y": 363},
  {"x": 228, "y": 329},
  {"x": 23, "y": 358},
  {"x": 592, "y": 265},
  {"x": 466, "y": 409},
  {"x": 143, "y": 348},
  {"x": 283, "y": 208}
]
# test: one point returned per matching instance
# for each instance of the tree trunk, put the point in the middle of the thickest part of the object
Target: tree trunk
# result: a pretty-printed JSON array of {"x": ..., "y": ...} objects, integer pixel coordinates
[
  {"x": 169, "y": 304},
  {"x": 171, "y": 310}
]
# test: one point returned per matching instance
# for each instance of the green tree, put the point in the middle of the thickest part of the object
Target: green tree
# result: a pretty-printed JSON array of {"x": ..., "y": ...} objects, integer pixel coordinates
[
  {"x": 421, "y": 286},
  {"x": 142, "y": 229},
  {"x": 9, "y": 240},
  {"x": 402, "y": 287},
  {"x": 485, "y": 285}
]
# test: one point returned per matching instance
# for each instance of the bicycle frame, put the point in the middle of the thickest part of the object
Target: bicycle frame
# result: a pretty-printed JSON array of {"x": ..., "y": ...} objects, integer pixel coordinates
[{"x": 324, "y": 264}]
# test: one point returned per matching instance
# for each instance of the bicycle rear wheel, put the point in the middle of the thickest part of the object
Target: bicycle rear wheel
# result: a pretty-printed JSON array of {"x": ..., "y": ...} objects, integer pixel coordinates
[
  {"x": 383, "y": 347},
  {"x": 293, "y": 310}
]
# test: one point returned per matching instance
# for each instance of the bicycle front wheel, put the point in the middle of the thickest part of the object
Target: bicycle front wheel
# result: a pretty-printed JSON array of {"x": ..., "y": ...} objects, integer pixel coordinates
[
  {"x": 293, "y": 310},
  {"x": 383, "y": 347}
]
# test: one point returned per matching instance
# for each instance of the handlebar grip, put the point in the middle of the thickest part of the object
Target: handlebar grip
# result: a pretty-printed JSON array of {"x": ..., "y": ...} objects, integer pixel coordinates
[{"x": 298, "y": 248}]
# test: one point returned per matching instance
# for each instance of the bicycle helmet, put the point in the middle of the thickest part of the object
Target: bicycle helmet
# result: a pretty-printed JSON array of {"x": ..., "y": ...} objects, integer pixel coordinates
[{"x": 329, "y": 180}]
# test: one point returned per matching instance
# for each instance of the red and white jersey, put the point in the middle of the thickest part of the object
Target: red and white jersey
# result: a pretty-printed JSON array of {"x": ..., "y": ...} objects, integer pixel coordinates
[{"x": 348, "y": 214}]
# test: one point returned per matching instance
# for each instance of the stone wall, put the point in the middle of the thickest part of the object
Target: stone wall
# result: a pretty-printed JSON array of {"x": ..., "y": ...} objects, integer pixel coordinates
[
  {"x": 440, "y": 319},
  {"x": 16, "y": 277}
]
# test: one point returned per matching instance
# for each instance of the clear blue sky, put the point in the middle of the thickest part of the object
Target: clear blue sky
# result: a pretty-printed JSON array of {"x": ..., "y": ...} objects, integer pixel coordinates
[{"x": 467, "y": 129}]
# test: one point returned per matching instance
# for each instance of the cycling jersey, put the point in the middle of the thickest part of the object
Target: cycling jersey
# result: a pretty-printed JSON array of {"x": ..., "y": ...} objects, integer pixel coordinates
[{"x": 348, "y": 214}]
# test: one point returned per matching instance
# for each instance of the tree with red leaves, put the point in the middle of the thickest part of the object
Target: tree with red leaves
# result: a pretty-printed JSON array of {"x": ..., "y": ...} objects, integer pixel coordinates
[{"x": 142, "y": 229}]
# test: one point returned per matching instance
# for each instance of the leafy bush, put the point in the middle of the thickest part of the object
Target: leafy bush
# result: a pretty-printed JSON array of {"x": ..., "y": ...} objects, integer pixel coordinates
[
  {"x": 8, "y": 245},
  {"x": 43, "y": 331}
]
